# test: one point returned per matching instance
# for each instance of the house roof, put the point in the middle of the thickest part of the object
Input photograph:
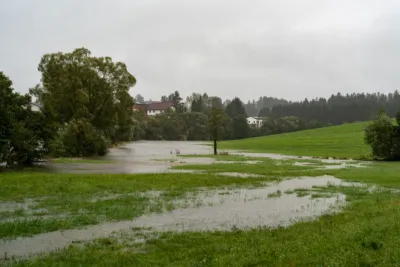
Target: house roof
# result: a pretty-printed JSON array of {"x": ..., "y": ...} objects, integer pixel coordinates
[{"x": 159, "y": 105}]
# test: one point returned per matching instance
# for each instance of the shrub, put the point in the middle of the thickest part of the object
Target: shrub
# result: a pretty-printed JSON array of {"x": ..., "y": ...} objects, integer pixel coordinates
[
  {"x": 79, "y": 138},
  {"x": 383, "y": 137}
]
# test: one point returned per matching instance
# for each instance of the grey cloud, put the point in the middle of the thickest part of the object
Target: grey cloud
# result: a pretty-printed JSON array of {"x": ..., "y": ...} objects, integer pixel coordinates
[{"x": 292, "y": 49}]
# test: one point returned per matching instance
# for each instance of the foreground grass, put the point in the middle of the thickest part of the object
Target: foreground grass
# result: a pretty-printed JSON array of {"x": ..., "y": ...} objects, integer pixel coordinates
[
  {"x": 367, "y": 233},
  {"x": 343, "y": 141},
  {"x": 65, "y": 201}
]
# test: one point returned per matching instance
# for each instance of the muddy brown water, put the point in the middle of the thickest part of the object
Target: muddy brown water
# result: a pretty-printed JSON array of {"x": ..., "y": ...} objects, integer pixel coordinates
[{"x": 215, "y": 210}]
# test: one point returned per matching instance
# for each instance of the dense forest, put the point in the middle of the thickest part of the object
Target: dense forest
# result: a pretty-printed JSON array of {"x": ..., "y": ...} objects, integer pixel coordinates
[
  {"x": 338, "y": 108},
  {"x": 86, "y": 107},
  {"x": 253, "y": 107}
]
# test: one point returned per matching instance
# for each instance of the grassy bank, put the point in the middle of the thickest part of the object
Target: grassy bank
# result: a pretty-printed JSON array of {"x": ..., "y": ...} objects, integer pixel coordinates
[{"x": 343, "y": 141}]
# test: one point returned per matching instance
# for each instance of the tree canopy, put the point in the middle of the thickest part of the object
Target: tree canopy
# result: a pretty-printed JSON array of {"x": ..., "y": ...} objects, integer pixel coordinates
[
  {"x": 87, "y": 96},
  {"x": 23, "y": 132}
]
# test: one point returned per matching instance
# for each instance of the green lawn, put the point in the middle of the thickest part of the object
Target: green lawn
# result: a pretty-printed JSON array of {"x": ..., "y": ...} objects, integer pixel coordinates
[{"x": 343, "y": 141}]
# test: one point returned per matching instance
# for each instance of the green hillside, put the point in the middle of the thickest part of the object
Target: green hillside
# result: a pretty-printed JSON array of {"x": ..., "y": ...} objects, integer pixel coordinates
[{"x": 343, "y": 141}]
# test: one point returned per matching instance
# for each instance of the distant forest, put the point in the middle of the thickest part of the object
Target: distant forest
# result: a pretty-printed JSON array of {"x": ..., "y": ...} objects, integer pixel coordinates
[{"x": 337, "y": 109}]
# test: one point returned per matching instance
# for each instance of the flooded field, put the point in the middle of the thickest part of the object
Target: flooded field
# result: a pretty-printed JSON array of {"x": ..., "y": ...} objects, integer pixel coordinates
[
  {"x": 271, "y": 206},
  {"x": 142, "y": 157},
  {"x": 269, "y": 201},
  {"x": 160, "y": 156}
]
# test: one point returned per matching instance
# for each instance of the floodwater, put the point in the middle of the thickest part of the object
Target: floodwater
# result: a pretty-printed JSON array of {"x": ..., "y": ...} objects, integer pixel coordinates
[
  {"x": 341, "y": 165},
  {"x": 143, "y": 157},
  {"x": 213, "y": 210},
  {"x": 267, "y": 206},
  {"x": 160, "y": 156}
]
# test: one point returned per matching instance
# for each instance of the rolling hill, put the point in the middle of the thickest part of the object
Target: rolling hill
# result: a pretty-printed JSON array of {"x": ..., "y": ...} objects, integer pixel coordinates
[{"x": 343, "y": 141}]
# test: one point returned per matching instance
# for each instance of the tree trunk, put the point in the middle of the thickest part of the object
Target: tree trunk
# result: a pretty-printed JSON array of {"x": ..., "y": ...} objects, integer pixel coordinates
[{"x": 215, "y": 147}]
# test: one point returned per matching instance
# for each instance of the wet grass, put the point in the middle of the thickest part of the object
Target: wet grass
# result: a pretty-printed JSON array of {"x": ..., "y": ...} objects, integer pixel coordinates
[
  {"x": 343, "y": 141},
  {"x": 67, "y": 201},
  {"x": 244, "y": 159},
  {"x": 274, "y": 169},
  {"x": 276, "y": 194},
  {"x": 365, "y": 234},
  {"x": 223, "y": 157},
  {"x": 381, "y": 173}
]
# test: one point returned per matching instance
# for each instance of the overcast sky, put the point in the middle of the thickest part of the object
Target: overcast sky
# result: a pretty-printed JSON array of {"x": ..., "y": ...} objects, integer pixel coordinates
[{"x": 283, "y": 48}]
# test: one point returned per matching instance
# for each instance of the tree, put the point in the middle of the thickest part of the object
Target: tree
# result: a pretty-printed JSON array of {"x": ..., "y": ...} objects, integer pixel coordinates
[
  {"x": 23, "y": 132},
  {"x": 197, "y": 104},
  {"x": 139, "y": 99},
  {"x": 380, "y": 136},
  {"x": 235, "y": 108},
  {"x": 217, "y": 121},
  {"x": 88, "y": 90},
  {"x": 176, "y": 99},
  {"x": 239, "y": 127}
]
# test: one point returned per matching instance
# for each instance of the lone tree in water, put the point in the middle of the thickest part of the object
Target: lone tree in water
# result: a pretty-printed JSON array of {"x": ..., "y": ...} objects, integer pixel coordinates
[{"x": 217, "y": 121}]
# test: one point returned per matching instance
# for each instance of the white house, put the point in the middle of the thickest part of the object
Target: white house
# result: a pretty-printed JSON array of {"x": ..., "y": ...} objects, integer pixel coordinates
[{"x": 254, "y": 121}]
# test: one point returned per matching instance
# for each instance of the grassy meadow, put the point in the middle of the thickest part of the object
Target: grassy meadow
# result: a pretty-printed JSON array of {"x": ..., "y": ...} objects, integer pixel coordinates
[
  {"x": 366, "y": 232},
  {"x": 343, "y": 141}
]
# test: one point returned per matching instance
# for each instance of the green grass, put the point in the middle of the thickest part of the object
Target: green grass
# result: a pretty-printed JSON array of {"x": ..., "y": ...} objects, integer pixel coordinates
[
  {"x": 69, "y": 197},
  {"x": 267, "y": 168},
  {"x": 344, "y": 141},
  {"x": 377, "y": 173},
  {"x": 365, "y": 234},
  {"x": 82, "y": 160}
]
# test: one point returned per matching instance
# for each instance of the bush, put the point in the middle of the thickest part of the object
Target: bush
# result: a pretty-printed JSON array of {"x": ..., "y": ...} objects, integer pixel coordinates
[
  {"x": 383, "y": 138},
  {"x": 79, "y": 139}
]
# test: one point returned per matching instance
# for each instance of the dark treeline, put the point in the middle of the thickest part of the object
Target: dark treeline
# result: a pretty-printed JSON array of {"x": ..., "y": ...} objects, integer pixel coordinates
[
  {"x": 338, "y": 108},
  {"x": 253, "y": 108}
]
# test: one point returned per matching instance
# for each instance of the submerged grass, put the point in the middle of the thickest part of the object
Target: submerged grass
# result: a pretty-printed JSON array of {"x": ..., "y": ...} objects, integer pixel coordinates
[
  {"x": 365, "y": 234},
  {"x": 70, "y": 200},
  {"x": 274, "y": 169}
]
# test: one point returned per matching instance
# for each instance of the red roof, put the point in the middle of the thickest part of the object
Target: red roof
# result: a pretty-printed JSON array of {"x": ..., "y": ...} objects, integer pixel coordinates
[
  {"x": 140, "y": 107},
  {"x": 159, "y": 105}
]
